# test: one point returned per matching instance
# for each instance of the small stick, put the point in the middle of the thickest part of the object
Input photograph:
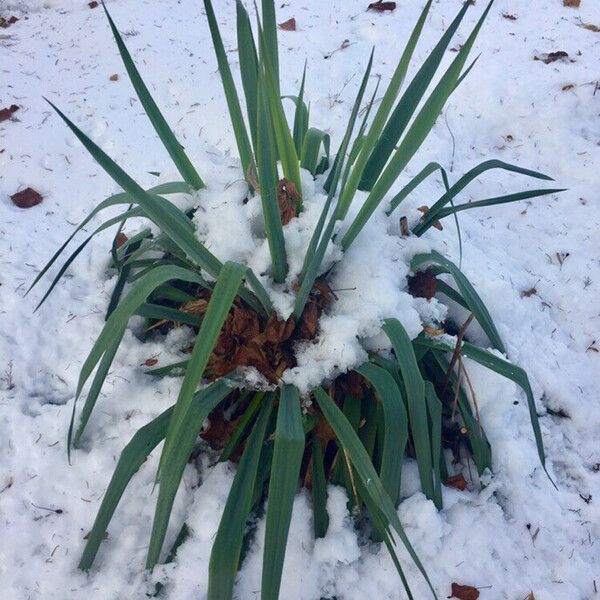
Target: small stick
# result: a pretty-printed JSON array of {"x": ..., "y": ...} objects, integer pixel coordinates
[{"x": 456, "y": 354}]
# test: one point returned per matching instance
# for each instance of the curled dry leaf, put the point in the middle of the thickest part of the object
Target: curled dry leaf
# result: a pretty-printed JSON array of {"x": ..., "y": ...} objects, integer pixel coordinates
[
  {"x": 457, "y": 482},
  {"x": 572, "y": 3},
  {"x": 26, "y": 198},
  {"x": 552, "y": 57},
  {"x": 530, "y": 596},
  {"x": 464, "y": 592},
  {"x": 422, "y": 284},
  {"x": 288, "y": 199},
  {"x": 150, "y": 362},
  {"x": 4, "y": 23},
  {"x": 93, "y": 4},
  {"x": 289, "y": 25},
  {"x": 6, "y": 113},
  {"x": 509, "y": 16},
  {"x": 114, "y": 77},
  {"x": 381, "y": 6}
]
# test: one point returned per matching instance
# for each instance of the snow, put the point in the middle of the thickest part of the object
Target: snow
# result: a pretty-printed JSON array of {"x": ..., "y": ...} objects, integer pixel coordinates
[{"x": 515, "y": 536}]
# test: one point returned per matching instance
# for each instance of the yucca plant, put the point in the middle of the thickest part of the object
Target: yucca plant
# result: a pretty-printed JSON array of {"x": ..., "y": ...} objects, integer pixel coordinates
[{"x": 355, "y": 428}]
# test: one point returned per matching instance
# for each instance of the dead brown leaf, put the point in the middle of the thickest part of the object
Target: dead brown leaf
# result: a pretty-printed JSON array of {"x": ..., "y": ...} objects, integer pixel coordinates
[
  {"x": 114, "y": 77},
  {"x": 458, "y": 482},
  {"x": 528, "y": 293},
  {"x": 552, "y": 57},
  {"x": 26, "y": 198},
  {"x": 590, "y": 27},
  {"x": 288, "y": 199},
  {"x": 572, "y": 3},
  {"x": 93, "y": 4},
  {"x": 422, "y": 284},
  {"x": 289, "y": 25},
  {"x": 566, "y": 88},
  {"x": 530, "y": 596},
  {"x": 509, "y": 16},
  {"x": 121, "y": 239},
  {"x": 6, "y": 113},
  {"x": 381, "y": 6},
  {"x": 464, "y": 592},
  {"x": 150, "y": 362}
]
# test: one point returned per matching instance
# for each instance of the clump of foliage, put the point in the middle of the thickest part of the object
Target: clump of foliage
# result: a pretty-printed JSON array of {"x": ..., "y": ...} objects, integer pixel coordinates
[{"x": 354, "y": 430}]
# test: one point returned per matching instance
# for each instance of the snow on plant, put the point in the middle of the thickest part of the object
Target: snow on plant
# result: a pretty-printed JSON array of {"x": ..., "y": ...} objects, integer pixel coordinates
[{"x": 289, "y": 414}]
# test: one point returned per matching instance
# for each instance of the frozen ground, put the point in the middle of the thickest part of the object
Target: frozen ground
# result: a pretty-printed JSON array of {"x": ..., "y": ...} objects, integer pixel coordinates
[{"x": 517, "y": 536}]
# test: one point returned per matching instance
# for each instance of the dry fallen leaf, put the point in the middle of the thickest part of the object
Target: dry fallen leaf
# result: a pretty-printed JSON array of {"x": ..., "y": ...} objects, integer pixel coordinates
[
  {"x": 566, "y": 88},
  {"x": 150, "y": 362},
  {"x": 552, "y": 56},
  {"x": 26, "y": 198},
  {"x": 93, "y": 4},
  {"x": 6, "y": 113},
  {"x": 530, "y": 596},
  {"x": 289, "y": 25},
  {"x": 288, "y": 199},
  {"x": 114, "y": 77},
  {"x": 422, "y": 285},
  {"x": 509, "y": 16},
  {"x": 381, "y": 6},
  {"x": 464, "y": 592},
  {"x": 572, "y": 3},
  {"x": 457, "y": 482},
  {"x": 528, "y": 293},
  {"x": 590, "y": 27}
]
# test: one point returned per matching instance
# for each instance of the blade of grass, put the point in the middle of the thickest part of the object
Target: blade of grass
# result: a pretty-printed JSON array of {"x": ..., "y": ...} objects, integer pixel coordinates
[
  {"x": 172, "y": 472},
  {"x": 395, "y": 427},
  {"x": 416, "y": 134},
  {"x": 311, "y": 149},
  {"x": 267, "y": 177},
  {"x": 319, "y": 490},
  {"x": 231, "y": 96},
  {"x": 429, "y": 219},
  {"x": 383, "y": 112},
  {"x": 434, "y": 410},
  {"x": 167, "y": 137},
  {"x": 225, "y": 555},
  {"x": 375, "y": 495},
  {"x": 415, "y": 396},
  {"x": 407, "y": 105},
  {"x": 285, "y": 470}
]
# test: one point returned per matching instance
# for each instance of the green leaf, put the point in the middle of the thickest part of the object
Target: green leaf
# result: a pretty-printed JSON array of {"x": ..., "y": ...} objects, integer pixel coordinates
[
  {"x": 132, "y": 458},
  {"x": 285, "y": 143},
  {"x": 285, "y": 469},
  {"x": 319, "y": 489},
  {"x": 224, "y": 293},
  {"x": 248, "y": 67},
  {"x": 245, "y": 420},
  {"x": 380, "y": 505},
  {"x": 395, "y": 426},
  {"x": 415, "y": 136},
  {"x": 405, "y": 109},
  {"x": 231, "y": 96},
  {"x": 225, "y": 555},
  {"x": 159, "y": 312},
  {"x": 412, "y": 185},
  {"x": 173, "y": 147},
  {"x": 382, "y": 113},
  {"x": 94, "y": 391},
  {"x": 172, "y": 470},
  {"x": 470, "y": 296},
  {"x": 430, "y": 218},
  {"x": 319, "y": 241},
  {"x": 173, "y": 222},
  {"x": 270, "y": 39},
  {"x": 267, "y": 177},
  {"x": 434, "y": 409},
  {"x": 311, "y": 149},
  {"x": 503, "y": 368},
  {"x": 415, "y": 396},
  {"x": 173, "y": 368}
]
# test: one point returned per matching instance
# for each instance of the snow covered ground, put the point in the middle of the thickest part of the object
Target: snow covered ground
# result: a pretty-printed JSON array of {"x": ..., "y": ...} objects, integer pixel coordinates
[{"x": 536, "y": 264}]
